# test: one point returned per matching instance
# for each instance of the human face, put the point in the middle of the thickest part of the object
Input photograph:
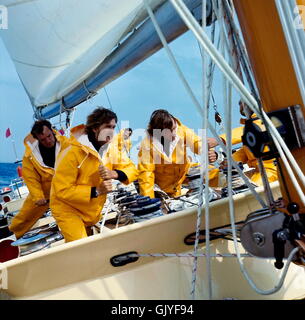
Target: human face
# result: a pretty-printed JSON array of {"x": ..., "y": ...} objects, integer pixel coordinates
[
  {"x": 242, "y": 109},
  {"x": 46, "y": 138},
  {"x": 127, "y": 134},
  {"x": 104, "y": 133},
  {"x": 170, "y": 134}
]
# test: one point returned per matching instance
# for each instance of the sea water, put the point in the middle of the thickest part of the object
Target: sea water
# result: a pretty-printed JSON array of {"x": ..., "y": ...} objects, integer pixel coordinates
[{"x": 8, "y": 172}]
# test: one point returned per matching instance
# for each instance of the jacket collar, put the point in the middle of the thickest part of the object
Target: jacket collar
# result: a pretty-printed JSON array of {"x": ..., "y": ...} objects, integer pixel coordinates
[
  {"x": 173, "y": 144},
  {"x": 159, "y": 147},
  {"x": 80, "y": 138},
  {"x": 32, "y": 148}
]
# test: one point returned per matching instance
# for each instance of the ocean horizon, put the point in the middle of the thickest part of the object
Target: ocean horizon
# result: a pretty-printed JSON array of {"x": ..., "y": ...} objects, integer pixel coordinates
[{"x": 8, "y": 172}]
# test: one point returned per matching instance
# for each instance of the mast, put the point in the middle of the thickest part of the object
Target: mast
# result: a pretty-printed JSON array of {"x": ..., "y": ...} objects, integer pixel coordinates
[
  {"x": 14, "y": 148},
  {"x": 274, "y": 72}
]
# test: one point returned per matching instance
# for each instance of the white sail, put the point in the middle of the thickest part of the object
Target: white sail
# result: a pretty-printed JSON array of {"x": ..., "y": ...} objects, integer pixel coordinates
[{"x": 56, "y": 44}]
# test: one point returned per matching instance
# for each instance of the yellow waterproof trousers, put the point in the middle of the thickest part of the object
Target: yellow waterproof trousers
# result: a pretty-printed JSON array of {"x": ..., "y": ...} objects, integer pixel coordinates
[
  {"x": 72, "y": 226},
  {"x": 27, "y": 217}
]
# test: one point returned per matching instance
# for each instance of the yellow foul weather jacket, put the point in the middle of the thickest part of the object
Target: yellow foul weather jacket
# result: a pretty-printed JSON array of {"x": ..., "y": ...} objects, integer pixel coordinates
[
  {"x": 38, "y": 178},
  {"x": 122, "y": 144},
  {"x": 244, "y": 155},
  {"x": 76, "y": 173},
  {"x": 168, "y": 172}
]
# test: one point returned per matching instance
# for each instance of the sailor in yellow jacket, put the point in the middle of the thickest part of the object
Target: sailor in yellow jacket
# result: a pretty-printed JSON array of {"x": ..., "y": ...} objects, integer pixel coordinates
[
  {"x": 42, "y": 147},
  {"x": 245, "y": 156},
  {"x": 122, "y": 140},
  {"x": 84, "y": 172},
  {"x": 163, "y": 158}
]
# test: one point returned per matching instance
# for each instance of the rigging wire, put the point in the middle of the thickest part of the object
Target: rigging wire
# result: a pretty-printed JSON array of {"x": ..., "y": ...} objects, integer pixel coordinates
[
  {"x": 284, "y": 180},
  {"x": 110, "y": 105},
  {"x": 240, "y": 48},
  {"x": 240, "y": 57},
  {"x": 204, "y": 174},
  {"x": 211, "y": 78},
  {"x": 228, "y": 126},
  {"x": 195, "y": 100},
  {"x": 235, "y": 81},
  {"x": 198, "y": 106},
  {"x": 228, "y": 110}
]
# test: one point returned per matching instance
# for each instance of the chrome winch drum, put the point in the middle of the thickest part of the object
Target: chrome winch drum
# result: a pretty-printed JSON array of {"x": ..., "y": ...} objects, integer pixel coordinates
[{"x": 257, "y": 233}]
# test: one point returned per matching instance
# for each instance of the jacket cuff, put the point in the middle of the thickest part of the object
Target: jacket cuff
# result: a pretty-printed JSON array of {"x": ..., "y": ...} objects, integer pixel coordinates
[
  {"x": 93, "y": 193},
  {"x": 121, "y": 175}
]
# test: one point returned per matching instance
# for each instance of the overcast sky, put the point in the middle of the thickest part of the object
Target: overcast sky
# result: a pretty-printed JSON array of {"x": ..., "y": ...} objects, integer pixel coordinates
[{"x": 151, "y": 85}]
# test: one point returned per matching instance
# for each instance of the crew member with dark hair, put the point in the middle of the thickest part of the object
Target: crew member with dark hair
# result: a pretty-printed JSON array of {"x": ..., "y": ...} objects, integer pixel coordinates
[
  {"x": 84, "y": 173},
  {"x": 163, "y": 158},
  {"x": 42, "y": 146}
]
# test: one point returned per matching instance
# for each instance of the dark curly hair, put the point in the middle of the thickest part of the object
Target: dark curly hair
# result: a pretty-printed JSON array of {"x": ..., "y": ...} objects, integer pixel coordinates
[
  {"x": 38, "y": 127},
  {"x": 98, "y": 117},
  {"x": 160, "y": 119}
]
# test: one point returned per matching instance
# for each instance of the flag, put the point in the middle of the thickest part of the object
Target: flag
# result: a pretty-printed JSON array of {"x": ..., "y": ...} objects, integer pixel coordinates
[
  {"x": 8, "y": 132},
  {"x": 61, "y": 131}
]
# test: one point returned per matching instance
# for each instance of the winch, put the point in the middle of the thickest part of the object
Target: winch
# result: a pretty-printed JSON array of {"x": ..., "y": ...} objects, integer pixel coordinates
[
  {"x": 238, "y": 184},
  {"x": 38, "y": 239},
  {"x": 132, "y": 207},
  {"x": 269, "y": 233}
]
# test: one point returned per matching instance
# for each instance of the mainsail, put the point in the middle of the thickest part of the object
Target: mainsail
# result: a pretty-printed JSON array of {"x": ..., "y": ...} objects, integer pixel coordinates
[{"x": 73, "y": 49}]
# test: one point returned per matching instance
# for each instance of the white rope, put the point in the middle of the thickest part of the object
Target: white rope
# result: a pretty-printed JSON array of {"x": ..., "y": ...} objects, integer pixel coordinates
[
  {"x": 189, "y": 255},
  {"x": 197, "y": 104},
  {"x": 290, "y": 172},
  {"x": 283, "y": 150},
  {"x": 211, "y": 67},
  {"x": 205, "y": 174},
  {"x": 188, "y": 88},
  {"x": 172, "y": 58},
  {"x": 233, "y": 79},
  {"x": 241, "y": 48},
  {"x": 226, "y": 22},
  {"x": 252, "y": 103},
  {"x": 228, "y": 111},
  {"x": 228, "y": 41},
  {"x": 105, "y": 217}
]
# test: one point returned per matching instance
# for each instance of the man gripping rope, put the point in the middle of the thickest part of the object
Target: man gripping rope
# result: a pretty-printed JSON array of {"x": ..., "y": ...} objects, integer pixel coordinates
[{"x": 84, "y": 172}]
